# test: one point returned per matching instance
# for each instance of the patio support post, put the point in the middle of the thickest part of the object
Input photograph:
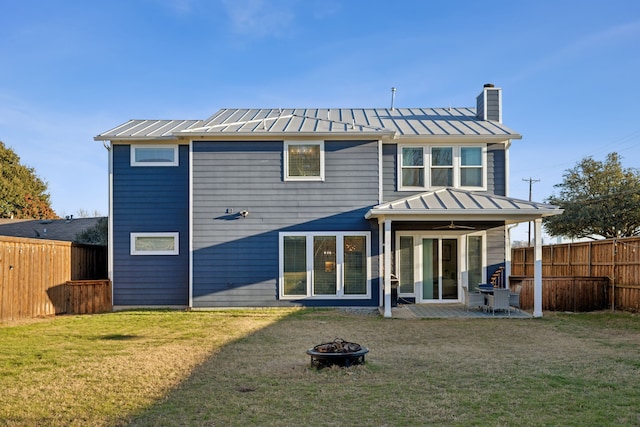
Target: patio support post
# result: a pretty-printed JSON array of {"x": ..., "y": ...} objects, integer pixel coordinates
[
  {"x": 387, "y": 268},
  {"x": 507, "y": 256},
  {"x": 537, "y": 270}
]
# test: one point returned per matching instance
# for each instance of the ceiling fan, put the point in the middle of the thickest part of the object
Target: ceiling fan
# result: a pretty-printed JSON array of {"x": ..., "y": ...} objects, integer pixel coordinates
[{"x": 453, "y": 226}]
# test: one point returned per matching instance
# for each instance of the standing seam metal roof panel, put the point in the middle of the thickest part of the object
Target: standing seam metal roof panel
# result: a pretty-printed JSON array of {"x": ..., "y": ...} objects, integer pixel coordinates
[{"x": 411, "y": 122}]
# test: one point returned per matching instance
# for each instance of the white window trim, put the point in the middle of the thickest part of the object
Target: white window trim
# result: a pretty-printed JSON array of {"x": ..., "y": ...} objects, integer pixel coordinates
[
  {"x": 287, "y": 177},
  {"x": 458, "y": 167},
  {"x": 401, "y": 167},
  {"x": 175, "y": 161},
  {"x": 174, "y": 251},
  {"x": 339, "y": 264},
  {"x": 457, "y": 163}
]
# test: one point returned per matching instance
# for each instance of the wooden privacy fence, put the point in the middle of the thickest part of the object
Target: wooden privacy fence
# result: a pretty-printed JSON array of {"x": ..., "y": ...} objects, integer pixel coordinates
[
  {"x": 34, "y": 274},
  {"x": 616, "y": 259},
  {"x": 564, "y": 293},
  {"x": 88, "y": 296}
]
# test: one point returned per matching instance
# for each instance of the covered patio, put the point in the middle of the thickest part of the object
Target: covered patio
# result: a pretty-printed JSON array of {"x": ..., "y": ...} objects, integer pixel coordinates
[{"x": 462, "y": 211}]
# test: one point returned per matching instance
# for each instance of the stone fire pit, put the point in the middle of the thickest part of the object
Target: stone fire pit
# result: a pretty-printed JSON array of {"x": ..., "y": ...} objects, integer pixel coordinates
[{"x": 337, "y": 352}]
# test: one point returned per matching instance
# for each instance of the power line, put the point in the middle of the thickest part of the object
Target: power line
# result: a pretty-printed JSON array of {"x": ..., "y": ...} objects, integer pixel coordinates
[{"x": 531, "y": 182}]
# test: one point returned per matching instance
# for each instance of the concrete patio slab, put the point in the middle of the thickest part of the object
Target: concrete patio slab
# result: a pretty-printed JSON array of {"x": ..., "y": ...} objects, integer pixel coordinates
[{"x": 438, "y": 311}]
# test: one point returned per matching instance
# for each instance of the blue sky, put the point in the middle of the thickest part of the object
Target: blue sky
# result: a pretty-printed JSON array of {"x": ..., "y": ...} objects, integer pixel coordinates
[{"x": 569, "y": 70}]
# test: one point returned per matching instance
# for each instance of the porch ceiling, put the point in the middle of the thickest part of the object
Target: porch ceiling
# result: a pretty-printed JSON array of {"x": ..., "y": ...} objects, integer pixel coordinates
[{"x": 450, "y": 204}]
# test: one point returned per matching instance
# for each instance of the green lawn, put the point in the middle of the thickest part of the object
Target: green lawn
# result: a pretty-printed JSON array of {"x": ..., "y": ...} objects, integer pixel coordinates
[{"x": 249, "y": 367}]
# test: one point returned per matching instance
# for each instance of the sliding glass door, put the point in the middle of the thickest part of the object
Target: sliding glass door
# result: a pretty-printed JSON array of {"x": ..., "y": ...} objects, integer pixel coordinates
[{"x": 435, "y": 278}]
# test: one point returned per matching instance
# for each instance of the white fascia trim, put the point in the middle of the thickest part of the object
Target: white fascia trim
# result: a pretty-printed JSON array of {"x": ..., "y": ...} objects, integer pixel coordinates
[
  {"x": 454, "y": 139},
  {"x": 458, "y": 215}
]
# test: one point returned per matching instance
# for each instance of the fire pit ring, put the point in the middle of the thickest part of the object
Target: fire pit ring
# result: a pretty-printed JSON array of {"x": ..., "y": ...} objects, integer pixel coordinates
[{"x": 338, "y": 352}]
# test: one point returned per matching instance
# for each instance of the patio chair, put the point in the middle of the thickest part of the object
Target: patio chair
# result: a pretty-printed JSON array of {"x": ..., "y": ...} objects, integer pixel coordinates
[
  {"x": 473, "y": 299},
  {"x": 499, "y": 300},
  {"x": 514, "y": 297}
]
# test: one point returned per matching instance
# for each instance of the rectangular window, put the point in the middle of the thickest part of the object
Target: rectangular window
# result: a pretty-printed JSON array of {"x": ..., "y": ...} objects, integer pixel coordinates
[
  {"x": 474, "y": 261},
  {"x": 154, "y": 244},
  {"x": 442, "y": 167},
  {"x": 324, "y": 265},
  {"x": 458, "y": 166},
  {"x": 412, "y": 167},
  {"x": 471, "y": 167},
  {"x": 405, "y": 273},
  {"x": 304, "y": 160},
  {"x": 295, "y": 265},
  {"x": 154, "y": 155},
  {"x": 355, "y": 265}
]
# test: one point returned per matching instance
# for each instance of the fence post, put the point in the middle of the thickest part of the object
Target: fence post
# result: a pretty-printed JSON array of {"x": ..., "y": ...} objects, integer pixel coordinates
[{"x": 613, "y": 280}]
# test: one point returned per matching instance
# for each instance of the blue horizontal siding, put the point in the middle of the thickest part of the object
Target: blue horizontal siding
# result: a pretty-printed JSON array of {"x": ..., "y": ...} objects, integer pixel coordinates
[{"x": 150, "y": 199}]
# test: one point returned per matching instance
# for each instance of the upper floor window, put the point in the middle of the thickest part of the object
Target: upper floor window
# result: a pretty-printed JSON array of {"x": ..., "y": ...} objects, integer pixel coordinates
[
  {"x": 304, "y": 160},
  {"x": 458, "y": 166},
  {"x": 412, "y": 167},
  {"x": 154, "y": 155},
  {"x": 442, "y": 166},
  {"x": 154, "y": 244},
  {"x": 471, "y": 170}
]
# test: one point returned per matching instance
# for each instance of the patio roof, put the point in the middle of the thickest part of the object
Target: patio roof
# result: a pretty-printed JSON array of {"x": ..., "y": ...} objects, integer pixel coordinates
[{"x": 454, "y": 204}]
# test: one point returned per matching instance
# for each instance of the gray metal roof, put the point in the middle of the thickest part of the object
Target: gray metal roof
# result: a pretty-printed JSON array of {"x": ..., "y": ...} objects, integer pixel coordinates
[
  {"x": 452, "y": 204},
  {"x": 383, "y": 123}
]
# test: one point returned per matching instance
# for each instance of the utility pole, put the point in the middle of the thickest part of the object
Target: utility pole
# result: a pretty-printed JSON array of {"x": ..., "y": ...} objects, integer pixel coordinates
[{"x": 531, "y": 181}]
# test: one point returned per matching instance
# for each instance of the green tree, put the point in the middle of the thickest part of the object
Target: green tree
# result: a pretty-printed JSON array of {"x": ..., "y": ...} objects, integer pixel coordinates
[
  {"x": 599, "y": 199},
  {"x": 22, "y": 193},
  {"x": 96, "y": 235}
]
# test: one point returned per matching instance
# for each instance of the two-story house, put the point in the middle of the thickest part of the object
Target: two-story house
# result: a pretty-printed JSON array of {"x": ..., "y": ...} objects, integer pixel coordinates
[{"x": 313, "y": 206}]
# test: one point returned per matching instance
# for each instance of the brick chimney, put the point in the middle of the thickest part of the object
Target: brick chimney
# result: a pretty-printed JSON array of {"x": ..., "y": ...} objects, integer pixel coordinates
[{"x": 489, "y": 104}]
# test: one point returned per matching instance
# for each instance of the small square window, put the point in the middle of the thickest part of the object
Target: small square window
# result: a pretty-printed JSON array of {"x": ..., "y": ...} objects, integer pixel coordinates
[
  {"x": 154, "y": 155},
  {"x": 154, "y": 244},
  {"x": 304, "y": 161}
]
